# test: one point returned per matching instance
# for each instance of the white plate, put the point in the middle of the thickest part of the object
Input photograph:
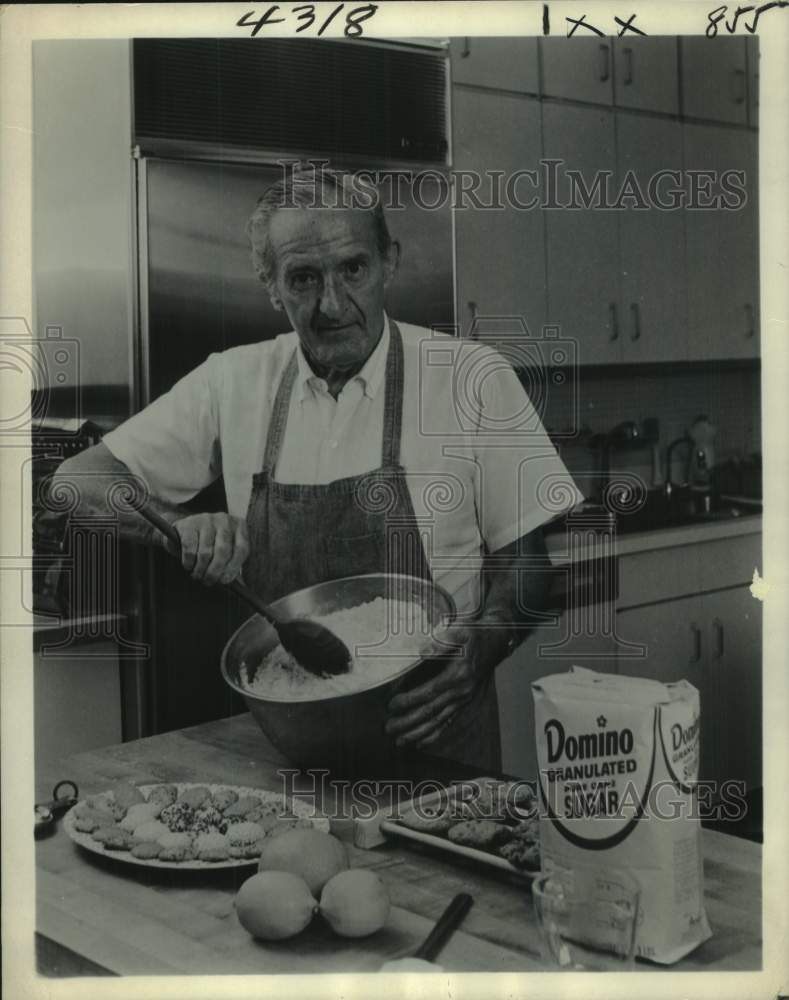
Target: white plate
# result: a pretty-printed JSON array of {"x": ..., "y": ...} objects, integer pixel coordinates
[
  {"x": 300, "y": 809},
  {"x": 395, "y": 828}
]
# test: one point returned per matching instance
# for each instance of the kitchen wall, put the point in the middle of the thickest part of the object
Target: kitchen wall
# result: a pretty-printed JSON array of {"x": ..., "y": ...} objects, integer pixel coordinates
[{"x": 729, "y": 396}]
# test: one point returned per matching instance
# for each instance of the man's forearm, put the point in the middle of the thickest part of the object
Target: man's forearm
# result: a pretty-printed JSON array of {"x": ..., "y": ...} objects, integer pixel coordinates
[
  {"x": 102, "y": 486},
  {"x": 516, "y": 589}
]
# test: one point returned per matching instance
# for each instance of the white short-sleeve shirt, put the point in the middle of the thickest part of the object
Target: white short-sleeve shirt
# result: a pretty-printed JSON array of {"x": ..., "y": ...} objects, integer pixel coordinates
[{"x": 480, "y": 468}]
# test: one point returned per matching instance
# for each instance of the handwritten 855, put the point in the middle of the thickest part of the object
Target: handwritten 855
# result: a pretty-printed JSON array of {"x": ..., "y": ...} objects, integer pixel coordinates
[{"x": 303, "y": 17}]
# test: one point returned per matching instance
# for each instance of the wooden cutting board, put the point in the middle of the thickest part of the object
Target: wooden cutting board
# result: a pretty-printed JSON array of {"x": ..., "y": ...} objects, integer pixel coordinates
[{"x": 134, "y": 922}]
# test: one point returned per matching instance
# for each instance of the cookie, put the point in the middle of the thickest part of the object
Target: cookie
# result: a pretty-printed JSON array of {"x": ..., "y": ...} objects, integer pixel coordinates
[
  {"x": 210, "y": 842},
  {"x": 177, "y": 854},
  {"x": 248, "y": 850},
  {"x": 208, "y": 818},
  {"x": 102, "y": 833},
  {"x": 171, "y": 839},
  {"x": 194, "y": 797},
  {"x": 147, "y": 851},
  {"x": 483, "y": 834},
  {"x": 179, "y": 816},
  {"x": 267, "y": 820},
  {"x": 125, "y": 794},
  {"x": 429, "y": 819},
  {"x": 118, "y": 840},
  {"x": 214, "y": 854},
  {"x": 88, "y": 820},
  {"x": 103, "y": 804},
  {"x": 223, "y": 798},
  {"x": 522, "y": 854},
  {"x": 527, "y": 830},
  {"x": 139, "y": 814},
  {"x": 163, "y": 795},
  {"x": 243, "y": 806},
  {"x": 150, "y": 832}
]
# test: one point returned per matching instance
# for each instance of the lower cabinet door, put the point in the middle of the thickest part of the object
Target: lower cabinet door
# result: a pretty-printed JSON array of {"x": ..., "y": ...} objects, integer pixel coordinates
[
  {"x": 674, "y": 645},
  {"x": 734, "y": 623}
]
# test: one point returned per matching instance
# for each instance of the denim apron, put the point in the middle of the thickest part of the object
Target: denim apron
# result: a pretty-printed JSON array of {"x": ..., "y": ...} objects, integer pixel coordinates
[{"x": 304, "y": 534}]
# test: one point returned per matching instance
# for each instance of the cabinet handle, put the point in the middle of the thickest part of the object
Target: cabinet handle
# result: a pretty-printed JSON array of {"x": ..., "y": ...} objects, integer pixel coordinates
[
  {"x": 628, "y": 54},
  {"x": 614, "y": 322},
  {"x": 750, "y": 330},
  {"x": 739, "y": 86},
  {"x": 465, "y": 52},
  {"x": 717, "y": 624},
  {"x": 756, "y": 90},
  {"x": 605, "y": 64},
  {"x": 636, "y": 334},
  {"x": 696, "y": 643}
]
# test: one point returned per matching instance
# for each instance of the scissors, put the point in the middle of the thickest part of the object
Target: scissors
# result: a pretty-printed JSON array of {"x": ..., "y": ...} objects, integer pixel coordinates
[{"x": 47, "y": 812}]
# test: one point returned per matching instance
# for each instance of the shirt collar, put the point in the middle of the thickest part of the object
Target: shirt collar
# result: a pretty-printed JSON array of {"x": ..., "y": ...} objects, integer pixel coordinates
[{"x": 371, "y": 374}]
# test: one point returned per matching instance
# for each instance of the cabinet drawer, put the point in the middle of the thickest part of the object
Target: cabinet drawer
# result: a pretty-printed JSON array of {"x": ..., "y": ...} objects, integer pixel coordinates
[
  {"x": 730, "y": 561},
  {"x": 646, "y": 577}
]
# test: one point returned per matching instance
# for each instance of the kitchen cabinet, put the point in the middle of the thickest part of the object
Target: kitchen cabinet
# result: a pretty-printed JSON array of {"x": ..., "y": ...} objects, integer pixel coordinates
[
  {"x": 723, "y": 246},
  {"x": 752, "y": 59},
  {"x": 501, "y": 63},
  {"x": 582, "y": 246},
  {"x": 712, "y": 640},
  {"x": 652, "y": 305},
  {"x": 579, "y": 69},
  {"x": 735, "y": 677},
  {"x": 645, "y": 74},
  {"x": 699, "y": 621},
  {"x": 714, "y": 79},
  {"x": 549, "y": 650},
  {"x": 500, "y": 255}
]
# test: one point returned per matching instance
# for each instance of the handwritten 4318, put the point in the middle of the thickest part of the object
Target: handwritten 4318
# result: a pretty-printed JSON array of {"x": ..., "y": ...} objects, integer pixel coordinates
[{"x": 303, "y": 17}]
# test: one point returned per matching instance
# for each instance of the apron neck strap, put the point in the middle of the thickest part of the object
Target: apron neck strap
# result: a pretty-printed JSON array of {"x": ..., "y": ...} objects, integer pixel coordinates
[
  {"x": 393, "y": 406},
  {"x": 393, "y": 399}
]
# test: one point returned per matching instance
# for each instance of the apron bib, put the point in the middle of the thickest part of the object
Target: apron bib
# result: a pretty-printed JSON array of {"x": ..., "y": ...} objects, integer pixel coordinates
[{"x": 304, "y": 534}]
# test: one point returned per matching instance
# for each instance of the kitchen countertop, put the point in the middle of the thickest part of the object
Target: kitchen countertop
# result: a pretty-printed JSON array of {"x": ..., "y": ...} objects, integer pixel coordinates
[
  {"x": 660, "y": 538},
  {"x": 97, "y": 916}
]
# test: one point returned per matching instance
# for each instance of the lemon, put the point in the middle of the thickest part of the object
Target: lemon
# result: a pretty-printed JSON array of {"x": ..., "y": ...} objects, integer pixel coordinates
[
  {"x": 355, "y": 903},
  {"x": 275, "y": 905},
  {"x": 312, "y": 854}
]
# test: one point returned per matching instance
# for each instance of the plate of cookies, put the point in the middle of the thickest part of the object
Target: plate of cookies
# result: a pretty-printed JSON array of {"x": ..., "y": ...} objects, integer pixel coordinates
[
  {"x": 185, "y": 825},
  {"x": 485, "y": 820}
]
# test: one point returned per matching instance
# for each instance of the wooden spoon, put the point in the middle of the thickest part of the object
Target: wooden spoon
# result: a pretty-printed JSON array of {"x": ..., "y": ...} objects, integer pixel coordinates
[
  {"x": 422, "y": 959},
  {"x": 315, "y": 648}
]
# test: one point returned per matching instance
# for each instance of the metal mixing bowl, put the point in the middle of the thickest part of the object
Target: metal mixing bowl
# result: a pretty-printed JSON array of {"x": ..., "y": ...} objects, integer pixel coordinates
[{"x": 344, "y": 733}]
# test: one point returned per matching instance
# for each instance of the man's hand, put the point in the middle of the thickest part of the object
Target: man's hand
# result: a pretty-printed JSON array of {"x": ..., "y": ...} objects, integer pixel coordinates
[
  {"x": 214, "y": 547},
  {"x": 419, "y": 717}
]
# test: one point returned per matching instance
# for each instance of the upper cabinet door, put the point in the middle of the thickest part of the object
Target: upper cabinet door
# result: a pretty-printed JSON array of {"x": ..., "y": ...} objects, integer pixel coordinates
[
  {"x": 715, "y": 79},
  {"x": 500, "y": 252},
  {"x": 582, "y": 242},
  {"x": 579, "y": 69},
  {"x": 501, "y": 63},
  {"x": 652, "y": 241},
  {"x": 723, "y": 245},
  {"x": 645, "y": 74}
]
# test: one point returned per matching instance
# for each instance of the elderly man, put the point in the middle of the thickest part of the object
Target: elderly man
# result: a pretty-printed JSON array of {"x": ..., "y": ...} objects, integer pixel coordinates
[{"x": 310, "y": 427}]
